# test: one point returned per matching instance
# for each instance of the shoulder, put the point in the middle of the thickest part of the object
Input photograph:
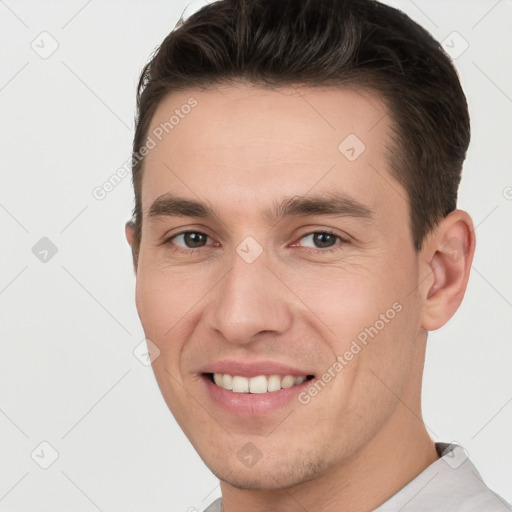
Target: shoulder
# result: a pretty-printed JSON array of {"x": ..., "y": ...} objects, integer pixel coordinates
[
  {"x": 215, "y": 506},
  {"x": 451, "y": 484}
]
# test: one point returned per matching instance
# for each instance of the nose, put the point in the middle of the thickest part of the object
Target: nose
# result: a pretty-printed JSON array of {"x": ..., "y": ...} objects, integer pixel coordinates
[{"x": 249, "y": 300}]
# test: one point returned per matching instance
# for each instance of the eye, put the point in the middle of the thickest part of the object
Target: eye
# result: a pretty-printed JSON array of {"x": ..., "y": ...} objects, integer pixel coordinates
[
  {"x": 323, "y": 241},
  {"x": 188, "y": 240}
]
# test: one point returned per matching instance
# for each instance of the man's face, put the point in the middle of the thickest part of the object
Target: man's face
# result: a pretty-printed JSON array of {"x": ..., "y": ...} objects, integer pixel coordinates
[{"x": 249, "y": 294}]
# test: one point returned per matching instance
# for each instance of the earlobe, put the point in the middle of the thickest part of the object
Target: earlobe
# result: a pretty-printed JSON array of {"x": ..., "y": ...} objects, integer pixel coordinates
[{"x": 449, "y": 254}]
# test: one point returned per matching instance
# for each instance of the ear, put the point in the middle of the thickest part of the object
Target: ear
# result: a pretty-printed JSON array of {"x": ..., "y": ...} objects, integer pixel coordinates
[
  {"x": 446, "y": 257},
  {"x": 129, "y": 231}
]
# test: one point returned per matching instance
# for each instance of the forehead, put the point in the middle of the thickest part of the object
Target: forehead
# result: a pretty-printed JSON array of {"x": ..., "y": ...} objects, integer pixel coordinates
[{"x": 243, "y": 144}]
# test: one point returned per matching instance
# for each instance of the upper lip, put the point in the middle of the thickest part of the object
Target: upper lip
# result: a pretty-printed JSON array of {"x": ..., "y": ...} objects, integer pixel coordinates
[{"x": 253, "y": 368}]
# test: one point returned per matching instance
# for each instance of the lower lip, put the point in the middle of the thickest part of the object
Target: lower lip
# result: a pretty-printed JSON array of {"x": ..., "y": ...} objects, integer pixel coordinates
[{"x": 253, "y": 404}]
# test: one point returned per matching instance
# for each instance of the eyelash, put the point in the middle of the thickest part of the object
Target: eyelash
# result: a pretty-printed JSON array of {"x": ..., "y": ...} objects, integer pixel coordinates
[{"x": 310, "y": 249}]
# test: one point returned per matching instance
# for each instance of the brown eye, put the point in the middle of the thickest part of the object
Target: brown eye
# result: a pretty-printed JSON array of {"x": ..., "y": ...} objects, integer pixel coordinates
[
  {"x": 189, "y": 239},
  {"x": 321, "y": 240}
]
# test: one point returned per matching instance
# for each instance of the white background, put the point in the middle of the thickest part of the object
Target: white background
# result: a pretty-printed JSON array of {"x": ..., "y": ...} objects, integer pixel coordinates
[{"x": 69, "y": 326}]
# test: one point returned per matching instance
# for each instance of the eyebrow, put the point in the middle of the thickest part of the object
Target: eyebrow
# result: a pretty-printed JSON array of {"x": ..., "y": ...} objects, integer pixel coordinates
[{"x": 329, "y": 203}]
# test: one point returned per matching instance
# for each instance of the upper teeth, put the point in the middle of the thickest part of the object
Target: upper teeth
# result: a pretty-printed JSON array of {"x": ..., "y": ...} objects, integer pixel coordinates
[{"x": 259, "y": 384}]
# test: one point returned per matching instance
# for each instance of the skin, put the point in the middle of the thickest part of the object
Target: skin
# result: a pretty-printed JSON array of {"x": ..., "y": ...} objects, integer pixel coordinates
[{"x": 362, "y": 438}]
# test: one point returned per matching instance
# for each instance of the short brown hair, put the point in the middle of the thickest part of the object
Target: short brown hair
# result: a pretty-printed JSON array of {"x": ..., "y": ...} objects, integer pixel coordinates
[{"x": 344, "y": 43}]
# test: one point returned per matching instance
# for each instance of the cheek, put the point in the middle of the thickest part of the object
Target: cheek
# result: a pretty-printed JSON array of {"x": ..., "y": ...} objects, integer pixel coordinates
[
  {"x": 350, "y": 299},
  {"x": 161, "y": 314},
  {"x": 152, "y": 302},
  {"x": 159, "y": 309},
  {"x": 371, "y": 315}
]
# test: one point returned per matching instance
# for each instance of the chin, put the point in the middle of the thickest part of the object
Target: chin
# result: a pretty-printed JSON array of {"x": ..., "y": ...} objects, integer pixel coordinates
[{"x": 268, "y": 475}]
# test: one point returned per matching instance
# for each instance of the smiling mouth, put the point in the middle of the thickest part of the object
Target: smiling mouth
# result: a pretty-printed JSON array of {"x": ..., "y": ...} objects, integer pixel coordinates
[{"x": 256, "y": 385}]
